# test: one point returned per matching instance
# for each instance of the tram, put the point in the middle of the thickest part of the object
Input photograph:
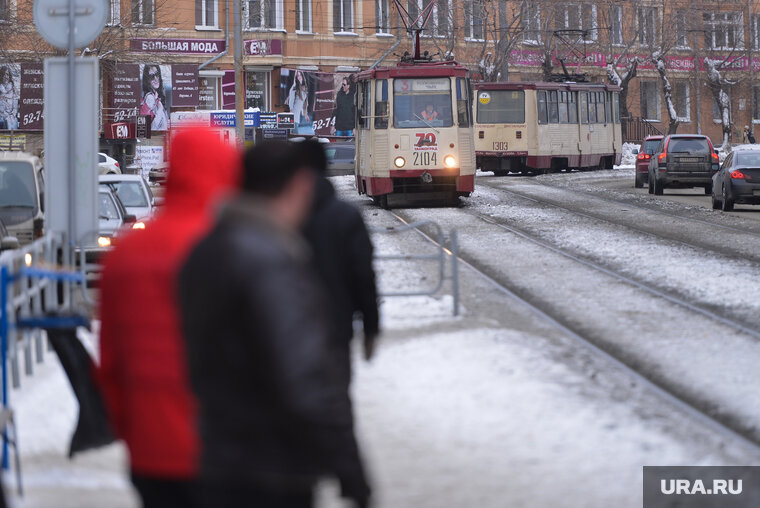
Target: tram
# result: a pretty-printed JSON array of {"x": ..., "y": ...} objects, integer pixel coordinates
[
  {"x": 414, "y": 135},
  {"x": 541, "y": 127}
]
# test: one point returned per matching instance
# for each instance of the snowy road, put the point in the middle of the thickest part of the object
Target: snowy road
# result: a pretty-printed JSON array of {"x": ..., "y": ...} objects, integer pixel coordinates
[{"x": 497, "y": 407}]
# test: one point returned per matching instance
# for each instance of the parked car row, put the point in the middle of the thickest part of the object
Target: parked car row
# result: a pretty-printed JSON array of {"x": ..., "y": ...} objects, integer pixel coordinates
[{"x": 690, "y": 160}]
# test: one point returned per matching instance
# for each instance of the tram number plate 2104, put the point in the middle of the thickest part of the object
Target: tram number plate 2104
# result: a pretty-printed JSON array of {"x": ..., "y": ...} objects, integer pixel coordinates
[{"x": 425, "y": 158}]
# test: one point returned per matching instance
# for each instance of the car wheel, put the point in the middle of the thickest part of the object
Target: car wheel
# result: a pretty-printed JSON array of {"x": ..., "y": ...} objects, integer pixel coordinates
[
  {"x": 715, "y": 202},
  {"x": 658, "y": 187},
  {"x": 726, "y": 204},
  {"x": 651, "y": 186},
  {"x": 708, "y": 189},
  {"x": 637, "y": 182}
]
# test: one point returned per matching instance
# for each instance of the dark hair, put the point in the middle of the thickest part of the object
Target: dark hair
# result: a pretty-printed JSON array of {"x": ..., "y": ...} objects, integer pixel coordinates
[
  {"x": 5, "y": 71},
  {"x": 270, "y": 164},
  {"x": 147, "y": 87},
  {"x": 312, "y": 154}
]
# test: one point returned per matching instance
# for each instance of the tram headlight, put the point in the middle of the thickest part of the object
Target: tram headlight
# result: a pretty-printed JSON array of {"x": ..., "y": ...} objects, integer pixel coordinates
[
  {"x": 399, "y": 162},
  {"x": 450, "y": 161}
]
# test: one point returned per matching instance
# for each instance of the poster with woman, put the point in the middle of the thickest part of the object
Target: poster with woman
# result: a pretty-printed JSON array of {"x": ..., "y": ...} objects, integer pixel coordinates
[
  {"x": 10, "y": 93},
  {"x": 300, "y": 98},
  {"x": 156, "y": 94}
]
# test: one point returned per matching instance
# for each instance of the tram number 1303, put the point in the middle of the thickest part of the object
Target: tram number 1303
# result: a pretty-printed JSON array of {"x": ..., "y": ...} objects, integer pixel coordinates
[{"x": 425, "y": 158}]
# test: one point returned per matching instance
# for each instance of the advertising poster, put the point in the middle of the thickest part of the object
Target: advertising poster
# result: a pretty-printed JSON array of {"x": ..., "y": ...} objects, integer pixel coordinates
[
  {"x": 322, "y": 103},
  {"x": 155, "y": 102},
  {"x": 126, "y": 96},
  {"x": 21, "y": 96},
  {"x": 185, "y": 85},
  {"x": 149, "y": 157}
]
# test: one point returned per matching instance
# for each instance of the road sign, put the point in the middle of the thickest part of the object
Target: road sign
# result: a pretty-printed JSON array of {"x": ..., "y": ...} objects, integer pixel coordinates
[
  {"x": 60, "y": 177},
  {"x": 51, "y": 17}
]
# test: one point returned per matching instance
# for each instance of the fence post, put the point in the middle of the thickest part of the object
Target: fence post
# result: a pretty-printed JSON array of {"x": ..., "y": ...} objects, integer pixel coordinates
[{"x": 455, "y": 269}]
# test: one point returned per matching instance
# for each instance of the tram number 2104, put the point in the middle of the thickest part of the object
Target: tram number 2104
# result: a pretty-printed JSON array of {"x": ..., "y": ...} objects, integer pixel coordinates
[{"x": 425, "y": 158}]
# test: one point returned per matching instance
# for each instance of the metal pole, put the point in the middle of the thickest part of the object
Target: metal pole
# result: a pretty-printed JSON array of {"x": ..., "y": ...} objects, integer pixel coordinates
[
  {"x": 239, "y": 91},
  {"x": 4, "y": 348},
  {"x": 68, "y": 252}
]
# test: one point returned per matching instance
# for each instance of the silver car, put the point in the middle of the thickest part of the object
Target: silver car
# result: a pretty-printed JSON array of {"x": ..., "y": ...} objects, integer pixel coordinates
[{"x": 134, "y": 192}]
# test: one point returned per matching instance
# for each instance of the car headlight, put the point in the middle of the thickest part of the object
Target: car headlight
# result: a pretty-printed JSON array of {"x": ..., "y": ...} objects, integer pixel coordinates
[
  {"x": 104, "y": 241},
  {"x": 138, "y": 225},
  {"x": 450, "y": 161},
  {"x": 399, "y": 162},
  {"x": 28, "y": 259}
]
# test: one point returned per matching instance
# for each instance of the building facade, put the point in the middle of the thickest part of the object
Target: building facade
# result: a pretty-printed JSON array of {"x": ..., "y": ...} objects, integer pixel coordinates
[{"x": 683, "y": 64}]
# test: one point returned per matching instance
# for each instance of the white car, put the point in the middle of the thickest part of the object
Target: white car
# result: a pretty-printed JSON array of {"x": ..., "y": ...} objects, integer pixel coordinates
[
  {"x": 107, "y": 165},
  {"x": 134, "y": 192}
]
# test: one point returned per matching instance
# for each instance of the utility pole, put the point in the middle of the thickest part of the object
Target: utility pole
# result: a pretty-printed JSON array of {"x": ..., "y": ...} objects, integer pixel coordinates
[{"x": 239, "y": 90}]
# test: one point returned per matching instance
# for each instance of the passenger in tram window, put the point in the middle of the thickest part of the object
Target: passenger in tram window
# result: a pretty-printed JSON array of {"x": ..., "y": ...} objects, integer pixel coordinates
[{"x": 429, "y": 113}]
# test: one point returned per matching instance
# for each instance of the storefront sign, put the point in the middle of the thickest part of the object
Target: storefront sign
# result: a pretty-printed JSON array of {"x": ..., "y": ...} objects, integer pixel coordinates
[
  {"x": 285, "y": 121},
  {"x": 268, "y": 120},
  {"x": 185, "y": 86},
  {"x": 32, "y": 102},
  {"x": 15, "y": 142},
  {"x": 228, "y": 90},
  {"x": 120, "y": 130},
  {"x": 228, "y": 119},
  {"x": 263, "y": 48},
  {"x": 274, "y": 133},
  {"x": 178, "y": 46}
]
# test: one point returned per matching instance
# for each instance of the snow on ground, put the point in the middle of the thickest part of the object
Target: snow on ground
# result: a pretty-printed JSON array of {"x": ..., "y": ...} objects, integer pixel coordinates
[{"x": 480, "y": 410}]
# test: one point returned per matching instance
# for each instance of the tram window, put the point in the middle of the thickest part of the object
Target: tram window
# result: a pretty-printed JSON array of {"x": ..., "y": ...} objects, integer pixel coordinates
[
  {"x": 381, "y": 104},
  {"x": 562, "y": 107},
  {"x": 422, "y": 102},
  {"x": 592, "y": 107},
  {"x": 584, "y": 106},
  {"x": 616, "y": 105},
  {"x": 503, "y": 106},
  {"x": 572, "y": 107},
  {"x": 463, "y": 103},
  {"x": 364, "y": 102},
  {"x": 543, "y": 116},
  {"x": 553, "y": 112},
  {"x": 600, "y": 114}
]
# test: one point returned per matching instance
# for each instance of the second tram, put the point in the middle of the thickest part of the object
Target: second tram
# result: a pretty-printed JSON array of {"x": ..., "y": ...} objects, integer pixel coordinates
[
  {"x": 414, "y": 136},
  {"x": 540, "y": 127}
]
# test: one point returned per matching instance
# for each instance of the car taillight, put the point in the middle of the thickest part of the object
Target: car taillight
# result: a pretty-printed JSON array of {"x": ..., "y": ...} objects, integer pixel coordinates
[
  {"x": 662, "y": 156},
  {"x": 737, "y": 174},
  {"x": 716, "y": 158},
  {"x": 644, "y": 156},
  {"x": 116, "y": 164}
]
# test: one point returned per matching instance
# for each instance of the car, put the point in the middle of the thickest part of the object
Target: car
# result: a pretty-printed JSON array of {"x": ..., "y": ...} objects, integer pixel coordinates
[
  {"x": 158, "y": 173},
  {"x": 134, "y": 192},
  {"x": 683, "y": 161},
  {"x": 340, "y": 158},
  {"x": 648, "y": 146},
  {"x": 107, "y": 165},
  {"x": 738, "y": 180},
  {"x": 22, "y": 195}
]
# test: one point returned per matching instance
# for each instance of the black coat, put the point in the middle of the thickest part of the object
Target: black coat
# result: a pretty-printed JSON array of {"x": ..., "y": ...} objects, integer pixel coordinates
[
  {"x": 273, "y": 410},
  {"x": 344, "y": 111},
  {"x": 343, "y": 258}
]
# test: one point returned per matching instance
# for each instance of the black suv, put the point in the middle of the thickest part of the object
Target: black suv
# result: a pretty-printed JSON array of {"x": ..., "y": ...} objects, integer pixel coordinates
[{"x": 681, "y": 161}]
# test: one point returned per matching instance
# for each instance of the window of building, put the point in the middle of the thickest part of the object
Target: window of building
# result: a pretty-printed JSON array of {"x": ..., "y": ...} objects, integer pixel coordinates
[
  {"x": 382, "y": 18},
  {"x": 263, "y": 14},
  {"x": 441, "y": 13},
  {"x": 682, "y": 32},
  {"x": 530, "y": 17},
  {"x": 205, "y": 13},
  {"x": 646, "y": 18},
  {"x": 682, "y": 100},
  {"x": 756, "y": 31},
  {"x": 577, "y": 17},
  {"x": 723, "y": 30},
  {"x": 343, "y": 15},
  {"x": 616, "y": 24},
  {"x": 142, "y": 12},
  {"x": 4, "y": 10},
  {"x": 114, "y": 11},
  {"x": 303, "y": 15},
  {"x": 208, "y": 92},
  {"x": 473, "y": 19},
  {"x": 650, "y": 100},
  {"x": 438, "y": 23}
]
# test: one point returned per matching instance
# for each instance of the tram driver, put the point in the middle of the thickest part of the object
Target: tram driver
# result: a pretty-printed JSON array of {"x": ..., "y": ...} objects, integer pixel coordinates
[{"x": 429, "y": 113}]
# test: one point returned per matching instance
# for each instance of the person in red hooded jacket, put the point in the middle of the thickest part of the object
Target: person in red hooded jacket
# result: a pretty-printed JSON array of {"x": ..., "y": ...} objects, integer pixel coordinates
[{"x": 143, "y": 373}]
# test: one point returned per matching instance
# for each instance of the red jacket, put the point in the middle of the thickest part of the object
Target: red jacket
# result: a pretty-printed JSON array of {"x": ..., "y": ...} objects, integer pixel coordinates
[{"x": 143, "y": 373}]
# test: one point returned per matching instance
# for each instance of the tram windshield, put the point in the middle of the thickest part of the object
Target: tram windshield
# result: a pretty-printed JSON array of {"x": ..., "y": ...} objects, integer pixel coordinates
[
  {"x": 422, "y": 102},
  {"x": 501, "y": 106}
]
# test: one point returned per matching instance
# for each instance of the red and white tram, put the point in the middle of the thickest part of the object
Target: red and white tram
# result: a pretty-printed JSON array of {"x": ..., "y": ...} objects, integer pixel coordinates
[
  {"x": 540, "y": 127},
  {"x": 414, "y": 135}
]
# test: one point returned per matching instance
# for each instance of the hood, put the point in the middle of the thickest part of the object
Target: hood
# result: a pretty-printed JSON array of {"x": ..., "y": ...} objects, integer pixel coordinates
[{"x": 201, "y": 168}]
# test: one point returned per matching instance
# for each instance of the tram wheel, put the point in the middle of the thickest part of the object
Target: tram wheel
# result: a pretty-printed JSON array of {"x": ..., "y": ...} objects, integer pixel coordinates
[{"x": 381, "y": 201}]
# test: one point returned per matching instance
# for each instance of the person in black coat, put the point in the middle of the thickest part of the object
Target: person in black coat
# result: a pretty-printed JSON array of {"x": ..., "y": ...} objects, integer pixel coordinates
[
  {"x": 274, "y": 412},
  {"x": 342, "y": 252}
]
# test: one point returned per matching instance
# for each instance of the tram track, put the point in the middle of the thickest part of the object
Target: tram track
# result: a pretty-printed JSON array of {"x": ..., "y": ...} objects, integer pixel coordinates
[
  {"x": 735, "y": 247},
  {"x": 701, "y": 409}
]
